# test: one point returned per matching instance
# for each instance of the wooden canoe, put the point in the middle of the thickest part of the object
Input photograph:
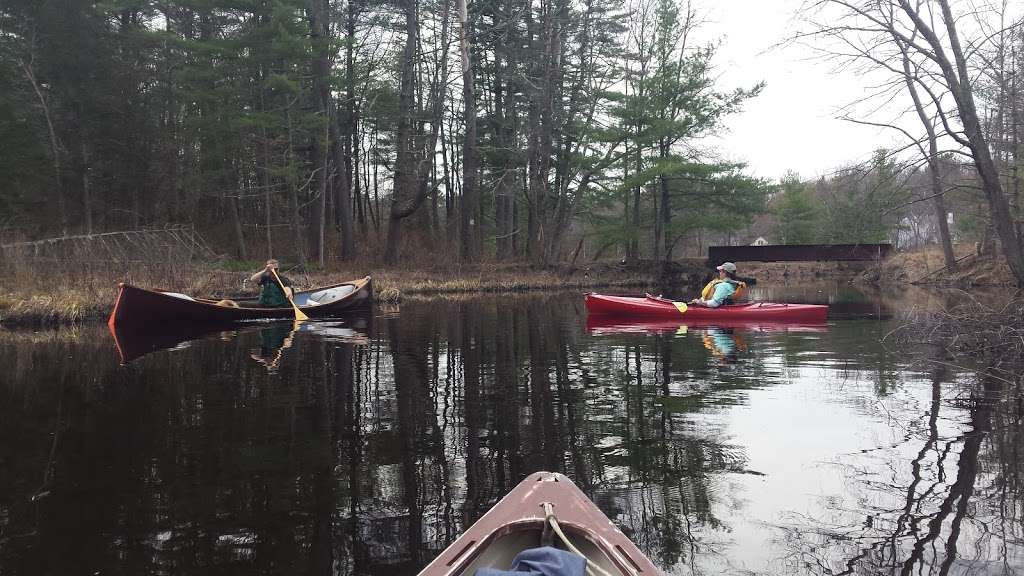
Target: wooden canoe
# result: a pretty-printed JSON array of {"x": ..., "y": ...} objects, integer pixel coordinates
[
  {"x": 517, "y": 523},
  {"x": 138, "y": 305}
]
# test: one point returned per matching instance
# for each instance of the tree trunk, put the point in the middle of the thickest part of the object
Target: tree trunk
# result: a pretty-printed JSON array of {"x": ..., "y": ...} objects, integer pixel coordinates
[
  {"x": 55, "y": 146},
  {"x": 470, "y": 155},
  {"x": 940, "y": 212},
  {"x": 320, "y": 35},
  {"x": 503, "y": 117},
  {"x": 934, "y": 164},
  {"x": 415, "y": 154},
  {"x": 236, "y": 224},
  {"x": 350, "y": 133},
  {"x": 536, "y": 178},
  {"x": 405, "y": 166},
  {"x": 661, "y": 247},
  {"x": 959, "y": 80},
  {"x": 86, "y": 187},
  {"x": 293, "y": 193},
  {"x": 635, "y": 242}
]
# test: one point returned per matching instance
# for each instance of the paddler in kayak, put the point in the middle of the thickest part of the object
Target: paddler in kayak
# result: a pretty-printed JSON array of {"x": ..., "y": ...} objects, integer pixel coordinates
[{"x": 722, "y": 290}]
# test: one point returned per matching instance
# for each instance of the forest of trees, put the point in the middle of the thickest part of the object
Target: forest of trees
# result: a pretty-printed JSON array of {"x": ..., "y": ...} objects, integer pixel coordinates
[{"x": 326, "y": 130}]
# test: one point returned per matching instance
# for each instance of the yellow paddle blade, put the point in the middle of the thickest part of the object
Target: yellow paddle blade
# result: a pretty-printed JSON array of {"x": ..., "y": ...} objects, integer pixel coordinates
[
  {"x": 681, "y": 306},
  {"x": 299, "y": 314}
]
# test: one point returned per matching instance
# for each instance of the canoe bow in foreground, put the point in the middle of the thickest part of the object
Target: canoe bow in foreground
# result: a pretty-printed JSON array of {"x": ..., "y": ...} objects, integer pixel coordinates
[
  {"x": 516, "y": 523},
  {"x": 600, "y": 304},
  {"x": 138, "y": 305}
]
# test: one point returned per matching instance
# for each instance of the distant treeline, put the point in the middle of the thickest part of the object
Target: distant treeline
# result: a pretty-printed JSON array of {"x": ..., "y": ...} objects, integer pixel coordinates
[{"x": 882, "y": 201}]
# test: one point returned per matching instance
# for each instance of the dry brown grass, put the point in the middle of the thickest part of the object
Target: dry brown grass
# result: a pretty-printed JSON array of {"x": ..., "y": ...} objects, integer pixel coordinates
[
  {"x": 928, "y": 266},
  {"x": 67, "y": 295}
]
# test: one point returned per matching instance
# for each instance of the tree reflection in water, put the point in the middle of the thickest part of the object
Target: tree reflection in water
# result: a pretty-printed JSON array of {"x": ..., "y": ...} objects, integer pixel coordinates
[
  {"x": 371, "y": 456},
  {"x": 954, "y": 508}
]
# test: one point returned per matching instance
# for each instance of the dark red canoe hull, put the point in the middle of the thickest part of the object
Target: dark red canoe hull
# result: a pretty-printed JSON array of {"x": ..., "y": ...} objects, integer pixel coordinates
[
  {"x": 138, "y": 305},
  {"x": 517, "y": 521},
  {"x": 651, "y": 307}
]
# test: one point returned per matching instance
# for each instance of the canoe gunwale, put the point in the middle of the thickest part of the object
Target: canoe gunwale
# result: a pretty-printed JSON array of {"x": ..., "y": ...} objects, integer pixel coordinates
[
  {"x": 359, "y": 284},
  {"x": 473, "y": 549},
  {"x": 521, "y": 510}
]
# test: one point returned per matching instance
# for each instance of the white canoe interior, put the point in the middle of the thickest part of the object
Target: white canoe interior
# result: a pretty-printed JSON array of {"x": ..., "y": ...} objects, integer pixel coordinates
[
  {"x": 325, "y": 296},
  {"x": 318, "y": 298}
]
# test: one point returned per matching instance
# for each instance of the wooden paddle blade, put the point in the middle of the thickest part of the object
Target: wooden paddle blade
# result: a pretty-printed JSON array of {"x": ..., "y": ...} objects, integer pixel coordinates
[{"x": 681, "y": 306}]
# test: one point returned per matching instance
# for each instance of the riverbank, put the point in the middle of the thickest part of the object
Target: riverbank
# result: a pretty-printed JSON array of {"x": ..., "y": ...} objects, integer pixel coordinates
[
  {"x": 927, "y": 267},
  {"x": 36, "y": 299}
]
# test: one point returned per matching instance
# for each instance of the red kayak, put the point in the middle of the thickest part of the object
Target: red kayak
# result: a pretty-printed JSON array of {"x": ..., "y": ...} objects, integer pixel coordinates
[
  {"x": 650, "y": 306},
  {"x": 615, "y": 324}
]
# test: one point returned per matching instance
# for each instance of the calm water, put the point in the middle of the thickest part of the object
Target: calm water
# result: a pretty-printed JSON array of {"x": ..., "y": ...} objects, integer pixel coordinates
[{"x": 364, "y": 447}]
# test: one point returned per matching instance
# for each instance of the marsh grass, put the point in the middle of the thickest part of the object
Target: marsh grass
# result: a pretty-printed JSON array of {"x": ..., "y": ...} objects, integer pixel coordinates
[{"x": 67, "y": 293}]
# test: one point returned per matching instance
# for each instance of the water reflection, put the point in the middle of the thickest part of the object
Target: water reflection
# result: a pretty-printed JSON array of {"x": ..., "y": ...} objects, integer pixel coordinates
[
  {"x": 940, "y": 510},
  {"x": 368, "y": 447},
  {"x": 133, "y": 341}
]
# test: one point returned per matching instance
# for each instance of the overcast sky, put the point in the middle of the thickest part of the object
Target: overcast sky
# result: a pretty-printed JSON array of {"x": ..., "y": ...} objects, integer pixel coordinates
[{"x": 793, "y": 124}]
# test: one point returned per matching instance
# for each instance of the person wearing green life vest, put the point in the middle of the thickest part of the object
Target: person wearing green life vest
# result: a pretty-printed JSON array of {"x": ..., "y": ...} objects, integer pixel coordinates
[
  {"x": 722, "y": 290},
  {"x": 271, "y": 295}
]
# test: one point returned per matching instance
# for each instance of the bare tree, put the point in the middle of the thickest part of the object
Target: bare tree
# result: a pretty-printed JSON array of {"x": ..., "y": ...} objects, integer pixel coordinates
[
  {"x": 918, "y": 44},
  {"x": 932, "y": 157}
]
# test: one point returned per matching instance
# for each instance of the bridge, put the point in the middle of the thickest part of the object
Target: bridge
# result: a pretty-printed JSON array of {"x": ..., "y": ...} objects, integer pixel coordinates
[{"x": 799, "y": 253}]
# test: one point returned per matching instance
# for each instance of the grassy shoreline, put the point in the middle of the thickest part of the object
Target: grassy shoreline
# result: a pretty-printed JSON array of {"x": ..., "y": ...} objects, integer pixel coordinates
[{"x": 37, "y": 301}]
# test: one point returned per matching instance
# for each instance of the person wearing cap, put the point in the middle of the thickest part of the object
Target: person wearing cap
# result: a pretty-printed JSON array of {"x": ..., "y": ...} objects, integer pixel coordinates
[{"x": 721, "y": 290}]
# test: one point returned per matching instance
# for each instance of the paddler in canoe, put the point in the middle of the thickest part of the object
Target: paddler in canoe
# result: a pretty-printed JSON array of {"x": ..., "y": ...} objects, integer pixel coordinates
[
  {"x": 725, "y": 289},
  {"x": 271, "y": 293}
]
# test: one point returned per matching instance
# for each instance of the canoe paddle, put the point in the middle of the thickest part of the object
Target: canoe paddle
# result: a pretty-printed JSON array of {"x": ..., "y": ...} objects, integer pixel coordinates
[{"x": 299, "y": 315}]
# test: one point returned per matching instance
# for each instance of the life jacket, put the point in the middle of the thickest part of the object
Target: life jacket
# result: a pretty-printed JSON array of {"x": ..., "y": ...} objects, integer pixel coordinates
[
  {"x": 708, "y": 340},
  {"x": 709, "y": 290}
]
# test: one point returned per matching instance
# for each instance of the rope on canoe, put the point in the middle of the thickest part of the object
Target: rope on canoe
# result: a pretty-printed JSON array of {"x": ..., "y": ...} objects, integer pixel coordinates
[{"x": 549, "y": 517}]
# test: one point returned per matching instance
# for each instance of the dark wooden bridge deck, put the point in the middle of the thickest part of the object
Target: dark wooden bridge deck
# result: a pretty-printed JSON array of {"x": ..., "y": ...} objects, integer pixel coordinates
[{"x": 799, "y": 253}]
